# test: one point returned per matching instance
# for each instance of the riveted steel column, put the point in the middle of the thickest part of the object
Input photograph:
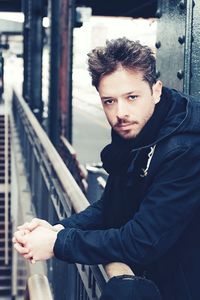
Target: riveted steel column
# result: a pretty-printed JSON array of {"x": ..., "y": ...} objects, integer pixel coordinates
[
  {"x": 170, "y": 43},
  {"x": 65, "y": 68},
  {"x": 60, "y": 101},
  {"x": 188, "y": 46},
  {"x": 33, "y": 45},
  {"x": 27, "y": 49},
  {"x": 53, "y": 109},
  {"x": 178, "y": 44}
]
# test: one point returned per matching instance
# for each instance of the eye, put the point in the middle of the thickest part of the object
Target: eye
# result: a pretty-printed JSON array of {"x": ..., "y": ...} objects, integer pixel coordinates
[
  {"x": 108, "y": 102},
  {"x": 132, "y": 97}
]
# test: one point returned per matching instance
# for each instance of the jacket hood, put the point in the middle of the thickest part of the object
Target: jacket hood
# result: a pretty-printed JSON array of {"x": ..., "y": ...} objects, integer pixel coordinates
[
  {"x": 183, "y": 115},
  {"x": 176, "y": 112}
]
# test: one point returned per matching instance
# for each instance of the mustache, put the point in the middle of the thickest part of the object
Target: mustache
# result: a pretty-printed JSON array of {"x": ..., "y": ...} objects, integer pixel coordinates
[{"x": 124, "y": 122}]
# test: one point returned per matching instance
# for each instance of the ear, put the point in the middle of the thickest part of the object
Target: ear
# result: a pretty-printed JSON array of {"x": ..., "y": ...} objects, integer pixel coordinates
[{"x": 157, "y": 91}]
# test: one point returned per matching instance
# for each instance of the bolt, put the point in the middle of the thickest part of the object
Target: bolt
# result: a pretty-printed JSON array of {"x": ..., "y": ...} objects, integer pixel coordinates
[
  {"x": 182, "y": 4},
  {"x": 158, "y": 44},
  {"x": 181, "y": 39},
  {"x": 158, "y": 13},
  {"x": 180, "y": 74}
]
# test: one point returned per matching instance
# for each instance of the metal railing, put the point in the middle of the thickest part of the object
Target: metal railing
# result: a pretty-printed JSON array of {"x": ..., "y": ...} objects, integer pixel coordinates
[
  {"x": 77, "y": 170},
  {"x": 38, "y": 288},
  {"x": 22, "y": 211},
  {"x": 55, "y": 195}
]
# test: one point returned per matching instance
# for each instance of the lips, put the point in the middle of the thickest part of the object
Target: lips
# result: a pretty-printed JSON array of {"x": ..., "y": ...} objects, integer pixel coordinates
[{"x": 125, "y": 126}]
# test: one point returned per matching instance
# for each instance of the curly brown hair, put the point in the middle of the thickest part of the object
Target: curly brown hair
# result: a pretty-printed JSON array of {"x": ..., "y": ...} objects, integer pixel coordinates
[{"x": 123, "y": 52}]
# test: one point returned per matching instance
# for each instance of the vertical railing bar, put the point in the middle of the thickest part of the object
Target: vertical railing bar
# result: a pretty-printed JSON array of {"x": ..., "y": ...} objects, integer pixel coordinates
[{"x": 6, "y": 182}]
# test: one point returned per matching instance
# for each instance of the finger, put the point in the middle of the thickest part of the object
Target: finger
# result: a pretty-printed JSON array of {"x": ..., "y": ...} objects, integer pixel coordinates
[
  {"x": 20, "y": 249},
  {"x": 23, "y": 226},
  {"x": 35, "y": 223},
  {"x": 33, "y": 261},
  {"x": 19, "y": 236},
  {"x": 14, "y": 240},
  {"x": 42, "y": 223},
  {"x": 28, "y": 255}
]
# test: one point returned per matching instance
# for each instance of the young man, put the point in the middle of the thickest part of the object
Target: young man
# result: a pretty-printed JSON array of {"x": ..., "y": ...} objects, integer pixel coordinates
[{"x": 149, "y": 214}]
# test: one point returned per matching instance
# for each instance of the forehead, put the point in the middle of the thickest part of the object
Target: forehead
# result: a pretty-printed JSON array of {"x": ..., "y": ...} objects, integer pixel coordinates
[{"x": 121, "y": 81}]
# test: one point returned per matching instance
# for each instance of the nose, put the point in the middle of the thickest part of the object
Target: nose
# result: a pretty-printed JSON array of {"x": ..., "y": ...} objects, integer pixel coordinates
[{"x": 122, "y": 110}]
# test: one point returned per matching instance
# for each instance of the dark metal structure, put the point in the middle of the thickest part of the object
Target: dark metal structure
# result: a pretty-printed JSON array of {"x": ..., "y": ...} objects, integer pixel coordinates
[
  {"x": 136, "y": 8},
  {"x": 60, "y": 101},
  {"x": 178, "y": 42},
  {"x": 11, "y": 5},
  {"x": 34, "y": 11}
]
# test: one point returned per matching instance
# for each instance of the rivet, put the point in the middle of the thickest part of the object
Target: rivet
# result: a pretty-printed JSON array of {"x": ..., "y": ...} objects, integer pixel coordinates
[
  {"x": 180, "y": 74},
  {"x": 158, "y": 13},
  {"x": 181, "y": 39},
  {"x": 182, "y": 4},
  {"x": 158, "y": 44}
]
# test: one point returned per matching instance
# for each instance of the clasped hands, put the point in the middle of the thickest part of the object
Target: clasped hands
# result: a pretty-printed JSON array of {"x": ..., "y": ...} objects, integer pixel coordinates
[{"x": 35, "y": 240}]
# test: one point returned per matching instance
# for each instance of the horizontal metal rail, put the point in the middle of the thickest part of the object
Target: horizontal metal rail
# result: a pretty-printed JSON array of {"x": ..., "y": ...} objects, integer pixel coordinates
[
  {"x": 38, "y": 288},
  {"x": 55, "y": 195},
  {"x": 77, "y": 198},
  {"x": 77, "y": 170}
]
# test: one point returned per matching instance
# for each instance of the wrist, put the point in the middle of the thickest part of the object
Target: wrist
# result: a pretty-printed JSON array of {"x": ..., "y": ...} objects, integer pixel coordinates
[{"x": 58, "y": 227}]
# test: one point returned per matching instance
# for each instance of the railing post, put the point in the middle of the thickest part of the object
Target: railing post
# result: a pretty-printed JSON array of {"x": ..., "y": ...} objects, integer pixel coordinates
[{"x": 6, "y": 183}]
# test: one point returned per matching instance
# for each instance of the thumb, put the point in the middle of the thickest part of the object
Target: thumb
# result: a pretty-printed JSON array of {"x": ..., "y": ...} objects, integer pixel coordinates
[
  {"x": 19, "y": 237},
  {"x": 35, "y": 223}
]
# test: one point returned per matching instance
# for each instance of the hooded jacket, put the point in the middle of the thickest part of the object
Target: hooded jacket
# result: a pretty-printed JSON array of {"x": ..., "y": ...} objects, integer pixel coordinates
[{"x": 157, "y": 180}]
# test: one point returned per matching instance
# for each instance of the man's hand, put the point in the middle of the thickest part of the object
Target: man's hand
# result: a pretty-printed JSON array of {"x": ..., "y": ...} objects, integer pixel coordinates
[
  {"x": 22, "y": 239},
  {"x": 30, "y": 226},
  {"x": 117, "y": 269},
  {"x": 37, "y": 244}
]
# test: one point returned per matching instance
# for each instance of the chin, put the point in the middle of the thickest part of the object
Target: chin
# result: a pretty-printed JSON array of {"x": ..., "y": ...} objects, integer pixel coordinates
[{"x": 128, "y": 135}]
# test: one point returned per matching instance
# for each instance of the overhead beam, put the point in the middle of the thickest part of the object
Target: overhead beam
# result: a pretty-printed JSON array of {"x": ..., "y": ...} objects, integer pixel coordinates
[
  {"x": 10, "y": 6},
  {"x": 129, "y": 8}
]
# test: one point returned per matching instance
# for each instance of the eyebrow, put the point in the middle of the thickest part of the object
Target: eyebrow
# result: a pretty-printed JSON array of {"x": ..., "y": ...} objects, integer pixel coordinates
[{"x": 125, "y": 94}]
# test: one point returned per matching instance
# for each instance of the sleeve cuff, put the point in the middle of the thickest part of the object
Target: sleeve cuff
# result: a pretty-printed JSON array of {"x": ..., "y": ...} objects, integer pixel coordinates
[
  {"x": 62, "y": 246},
  {"x": 67, "y": 223}
]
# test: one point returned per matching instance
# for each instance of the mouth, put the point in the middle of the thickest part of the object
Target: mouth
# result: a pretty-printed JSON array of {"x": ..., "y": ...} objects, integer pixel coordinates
[{"x": 125, "y": 126}]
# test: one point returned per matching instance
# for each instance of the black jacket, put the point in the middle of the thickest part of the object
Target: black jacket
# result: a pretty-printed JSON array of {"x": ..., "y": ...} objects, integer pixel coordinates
[{"x": 159, "y": 235}]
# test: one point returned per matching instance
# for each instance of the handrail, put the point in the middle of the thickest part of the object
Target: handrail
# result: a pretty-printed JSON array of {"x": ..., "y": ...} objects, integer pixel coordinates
[
  {"x": 38, "y": 288},
  {"x": 73, "y": 153},
  {"x": 46, "y": 169},
  {"x": 76, "y": 196},
  {"x": 78, "y": 171}
]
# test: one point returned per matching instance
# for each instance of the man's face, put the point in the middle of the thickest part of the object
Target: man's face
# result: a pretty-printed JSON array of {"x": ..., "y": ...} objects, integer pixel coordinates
[{"x": 128, "y": 101}]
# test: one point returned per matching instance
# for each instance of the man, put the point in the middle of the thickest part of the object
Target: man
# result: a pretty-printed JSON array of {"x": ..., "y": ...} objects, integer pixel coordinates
[{"x": 147, "y": 219}]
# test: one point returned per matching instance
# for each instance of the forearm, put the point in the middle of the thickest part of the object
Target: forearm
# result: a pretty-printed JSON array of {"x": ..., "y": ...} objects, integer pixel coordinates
[{"x": 90, "y": 218}]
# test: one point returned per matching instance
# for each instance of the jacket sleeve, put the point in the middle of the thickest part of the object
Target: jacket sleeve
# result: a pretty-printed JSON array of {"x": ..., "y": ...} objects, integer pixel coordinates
[
  {"x": 90, "y": 218},
  {"x": 169, "y": 206}
]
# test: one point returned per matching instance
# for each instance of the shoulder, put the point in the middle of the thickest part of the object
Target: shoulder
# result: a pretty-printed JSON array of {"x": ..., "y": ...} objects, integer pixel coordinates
[{"x": 180, "y": 142}]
